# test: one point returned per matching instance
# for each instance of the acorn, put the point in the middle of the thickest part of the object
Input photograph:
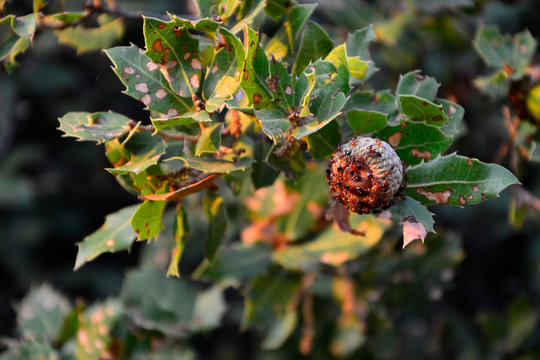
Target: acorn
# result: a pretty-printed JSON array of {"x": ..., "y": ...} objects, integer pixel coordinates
[{"x": 365, "y": 175}]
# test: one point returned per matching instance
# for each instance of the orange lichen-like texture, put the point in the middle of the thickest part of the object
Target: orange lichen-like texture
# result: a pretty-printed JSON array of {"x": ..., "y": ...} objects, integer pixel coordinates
[{"x": 365, "y": 175}]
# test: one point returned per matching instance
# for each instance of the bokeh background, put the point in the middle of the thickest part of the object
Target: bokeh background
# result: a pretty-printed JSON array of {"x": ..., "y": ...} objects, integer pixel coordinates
[{"x": 477, "y": 270}]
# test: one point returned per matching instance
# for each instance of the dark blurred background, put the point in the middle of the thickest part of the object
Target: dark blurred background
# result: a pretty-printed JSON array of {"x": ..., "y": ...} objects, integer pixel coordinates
[{"x": 54, "y": 191}]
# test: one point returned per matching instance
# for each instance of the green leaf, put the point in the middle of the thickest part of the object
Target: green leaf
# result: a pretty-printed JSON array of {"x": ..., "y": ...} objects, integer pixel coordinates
[
  {"x": 270, "y": 296},
  {"x": 181, "y": 229},
  {"x": 281, "y": 329},
  {"x": 414, "y": 142},
  {"x": 332, "y": 246},
  {"x": 366, "y": 121},
  {"x": 115, "y": 235},
  {"x": 281, "y": 85},
  {"x": 274, "y": 122},
  {"x": 324, "y": 142},
  {"x": 455, "y": 114},
  {"x": 221, "y": 80},
  {"x": 145, "y": 82},
  {"x": 315, "y": 44},
  {"x": 86, "y": 40},
  {"x": 176, "y": 51},
  {"x": 145, "y": 151},
  {"x": 217, "y": 223},
  {"x": 41, "y": 313},
  {"x": 146, "y": 220},
  {"x": 247, "y": 19},
  {"x": 255, "y": 71},
  {"x": 282, "y": 43},
  {"x": 17, "y": 35},
  {"x": 276, "y": 9},
  {"x": 380, "y": 101},
  {"x": 208, "y": 26},
  {"x": 303, "y": 88},
  {"x": 239, "y": 263},
  {"x": 207, "y": 8},
  {"x": 209, "y": 165},
  {"x": 186, "y": 119},
  {"x": 511, "y": 53},
  {"x": 413, "y": 83},
  {"x": 99, "y": 126},
  {"x": 457, "y": 180},
  {"x": 209, "y": 140},
  {"x": 156, "y": 302},
  {"x": 422, "y": 110}
]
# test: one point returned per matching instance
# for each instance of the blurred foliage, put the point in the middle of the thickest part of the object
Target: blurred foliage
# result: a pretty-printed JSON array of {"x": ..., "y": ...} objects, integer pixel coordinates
[{"x": 295, "y": 285}]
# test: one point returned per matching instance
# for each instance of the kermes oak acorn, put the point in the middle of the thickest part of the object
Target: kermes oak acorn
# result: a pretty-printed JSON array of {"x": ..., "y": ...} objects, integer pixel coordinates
[{"x": 365, "y": 175}]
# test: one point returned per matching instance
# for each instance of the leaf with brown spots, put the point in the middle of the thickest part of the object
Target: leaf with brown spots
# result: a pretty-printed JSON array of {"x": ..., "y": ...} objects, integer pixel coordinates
[
  {"x": 145, "y": 82},
  {"x": 505, "y": 52},
  {"x": 413, "y": 83},
  {"x": 98, "y": 127},
  {"x": 114, "y": 235},
  {"x": 185, "y": 119},
  {"x": 420, "y": 109},
  {"x": 457, "y": 180},
  {"x": 414, "y": 141},
  {"x": 221, "y": 80},
  {"x": 176, "y": 52},
  {"x": 146, "y": 220}
]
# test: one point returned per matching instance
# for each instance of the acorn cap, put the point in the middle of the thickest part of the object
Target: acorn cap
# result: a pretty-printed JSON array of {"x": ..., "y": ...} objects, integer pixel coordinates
[{"x": 365, "y": 175}]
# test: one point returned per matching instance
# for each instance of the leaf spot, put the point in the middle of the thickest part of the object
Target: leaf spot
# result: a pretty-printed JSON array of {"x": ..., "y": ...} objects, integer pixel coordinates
[
  {"x": 196, "y": 64},
  {"x": 140, "y": 51},
  {"x": 146, "y": 99},
  {"x": 469, "y": 162},
  {"x": 141, "y": 87},
  {"x": 257, "y": 98},
  {"x": 413, "y": 230},
  {"x": 161, "y": 93},
  {"x": 187, "y": 55},
  {"x": 109, "y": 243},
  {"x": 440, "y": 197},
  {"x": 288, "y": 90},
  {"x": 475, "y": 188},
  {"x": 451, "y": 110},
  {"x": 170, "y": 64},
  {"x": 152, "y": 66},
  {"x": 437, "y": 118},
  {"x": 156, "y": 46},
  {"x": 129, "y": 70},
  {"x": 161, "y": 26},
  {"x": 172, "y": 112},
  {"x": 421, "y": 154},
  {"x": 395, "y": 139},
  {"x": 214, "y": 69},
  {"x": 194, "y": 80},
  {"x": 462, "y": 200}
]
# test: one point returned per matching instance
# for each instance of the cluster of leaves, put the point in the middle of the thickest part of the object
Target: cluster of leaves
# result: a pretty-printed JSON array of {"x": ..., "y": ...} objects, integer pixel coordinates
[{"x": 258, "y": 117}]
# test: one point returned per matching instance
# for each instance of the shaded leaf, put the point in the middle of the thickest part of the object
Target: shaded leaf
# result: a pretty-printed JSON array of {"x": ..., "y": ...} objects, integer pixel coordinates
[
  {"x": 184, "y": 191},
  {"x": 209, "y": 140},
  {"x": 414, "y": 142},
  {"x": 457, "y": 180},
  {"x": 510, "y": 53},
  {"x": 380, "y": 101},
  {"x": 85, "y": 39},
  {"x": 29, "y": 350},
  {"x": 208, "y": 309},
  {"x": 293, "y": 165},
  {"x": 324, "y": 142},
  {"x": 366, "y": 121},
  {"x": 239, "y": 263},
  {"x": 281, "y": 44},
  {"x": 315, "y": 44},
  {"x": 413, "y": 83},
  {"x": 41, "y": 313},
  {"x": 248, "y": 18},
  {"x": 115, "y": 235},
  {"x": 99, "y": 126},
  {"x": 496, "y": 84},
  {"x": 332, "y": 246},
  {"x": 217, "y": 223},
  {"x": 156, "y": 302},
  {"x": 146, "y": 220},
  {"x": 145, "y": 82},
  {"x": 281, "y": 329},
  {"x": 274, "y": 122},
  {"x": 357, "y": 47},
  {"x": 455, "y": 114}
]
